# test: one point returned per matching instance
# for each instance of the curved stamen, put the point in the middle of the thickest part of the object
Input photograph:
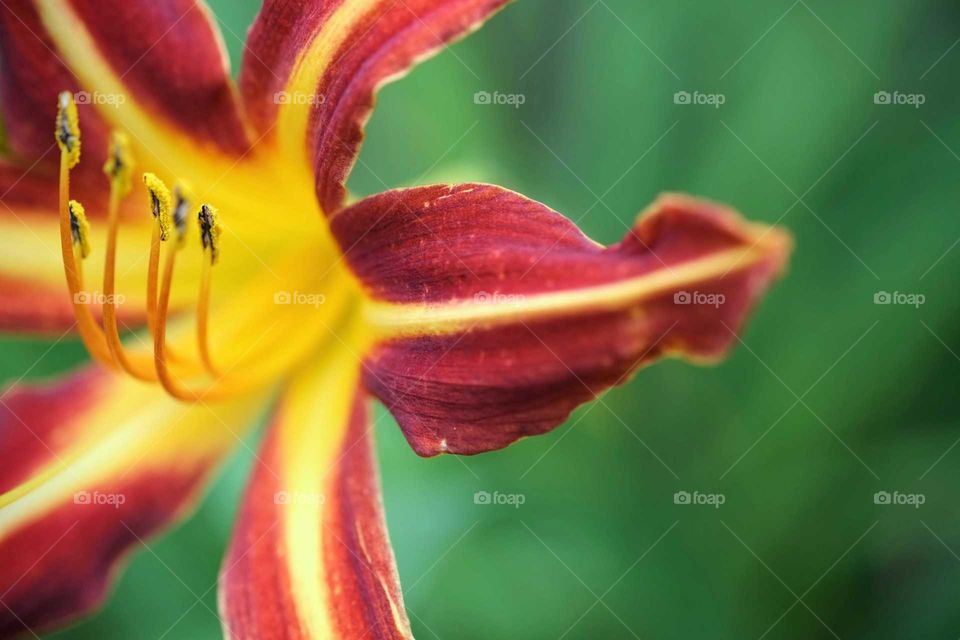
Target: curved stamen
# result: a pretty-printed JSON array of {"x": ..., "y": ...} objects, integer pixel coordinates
[
  {"x": 270, "y": 367},
  {"x": 118, "y": 168},
  {"x": 73, "y": 221},
  {"x": 210, "y": 238},
  {"x": 160, "y": 208},
  {"x": 271, "y": 361}
]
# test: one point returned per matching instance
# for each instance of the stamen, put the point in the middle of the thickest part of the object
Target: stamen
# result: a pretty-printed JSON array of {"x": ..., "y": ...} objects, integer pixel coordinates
[
  {"x": 119, "y": 169},
  {"x": 68, "y": 129},
  {"x": 209, "y": 237},
  {"x": 160, "y": 337},
  {"x": 160, "y": 207},
  {"x": 271, "y": 366},
  {"x": 74, "y": 231}
]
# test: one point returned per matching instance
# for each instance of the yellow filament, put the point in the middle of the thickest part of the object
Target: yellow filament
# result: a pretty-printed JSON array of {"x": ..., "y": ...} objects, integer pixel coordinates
[
  {"x": 279, "y": 360},
  {"x": 203, "y": 318},
  {"x": 140, "y": 369},
  {"x": 119, "y": 169},
  {"x": 90, "y": 331},
  {"x": 153, "y": 269},
  {"x": 288, "y": 347}
]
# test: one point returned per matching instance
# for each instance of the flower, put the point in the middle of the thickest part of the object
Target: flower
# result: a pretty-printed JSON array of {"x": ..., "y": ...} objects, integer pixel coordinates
[{"x": 476, "y": 315}]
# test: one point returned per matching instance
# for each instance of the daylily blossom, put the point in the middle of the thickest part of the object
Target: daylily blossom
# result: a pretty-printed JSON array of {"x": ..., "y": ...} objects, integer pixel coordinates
[{"x": 217, "y": 269}]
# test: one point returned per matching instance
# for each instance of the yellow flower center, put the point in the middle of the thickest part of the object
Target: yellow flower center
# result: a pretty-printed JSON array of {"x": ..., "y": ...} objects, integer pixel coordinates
[{"x": 278, "y": 307}]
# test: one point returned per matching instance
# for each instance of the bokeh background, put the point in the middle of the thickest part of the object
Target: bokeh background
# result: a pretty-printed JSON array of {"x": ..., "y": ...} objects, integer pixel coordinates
[{"x": 830, "y": 398}]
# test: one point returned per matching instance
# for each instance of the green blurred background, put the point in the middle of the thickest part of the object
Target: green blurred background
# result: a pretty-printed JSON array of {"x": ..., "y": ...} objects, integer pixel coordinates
[{"x": 830, "y": 399}]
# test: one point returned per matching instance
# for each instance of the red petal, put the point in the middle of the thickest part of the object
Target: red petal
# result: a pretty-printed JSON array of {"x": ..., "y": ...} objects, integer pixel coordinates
[
  {"x": 341, "y": 51},
  {"x": 31, "y": 77},
  {"x": 497, "y": 316},
  {"x": 154, "y": 69},
  {"x": 92, "y": 466},
  {"x": 171, "y": 59},
  {"x": 310, "y": 556}
]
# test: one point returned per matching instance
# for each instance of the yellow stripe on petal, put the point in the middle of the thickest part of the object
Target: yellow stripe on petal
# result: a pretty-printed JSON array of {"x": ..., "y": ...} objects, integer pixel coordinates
[
  {"x": 310, "y": 556},
  {"x": 314, "y": 61},
  {"x": 392, "y": 320}
]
